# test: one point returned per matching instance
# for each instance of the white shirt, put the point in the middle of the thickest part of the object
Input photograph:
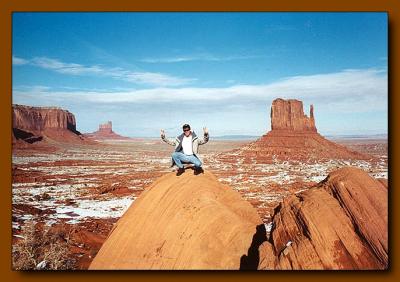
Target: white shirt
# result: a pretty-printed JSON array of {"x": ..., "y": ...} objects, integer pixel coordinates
[{"x": 187, "y": 145}]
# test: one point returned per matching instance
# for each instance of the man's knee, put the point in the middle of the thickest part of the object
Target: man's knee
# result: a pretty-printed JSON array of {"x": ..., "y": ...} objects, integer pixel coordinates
[
  {"x": 175, "y": 154},
  {"x": 197, "y": 162}
]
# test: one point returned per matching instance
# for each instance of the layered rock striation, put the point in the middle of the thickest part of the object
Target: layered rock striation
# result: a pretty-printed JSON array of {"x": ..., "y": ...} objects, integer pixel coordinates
[
  {"x": 33, "y": 124},
  {"x": 183, "y": 222},
  {"x": 42, "y": 118},
  {"x": 289, "y": 115},
  {"x": 195, "y": 222},
  {"x": 342, "y": 223}
]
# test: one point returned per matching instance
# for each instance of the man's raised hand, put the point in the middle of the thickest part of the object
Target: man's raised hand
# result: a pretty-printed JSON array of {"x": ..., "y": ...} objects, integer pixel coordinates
[
  {"x": 162, "y": 132},
  {"x": 205, "y": 130}
]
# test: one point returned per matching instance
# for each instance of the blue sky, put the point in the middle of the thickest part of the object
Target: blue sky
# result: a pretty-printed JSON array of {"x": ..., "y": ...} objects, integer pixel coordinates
[{"x": 146, "y": 71}]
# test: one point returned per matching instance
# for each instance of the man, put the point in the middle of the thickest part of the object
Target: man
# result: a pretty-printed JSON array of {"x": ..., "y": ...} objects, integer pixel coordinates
[{"x": 186, "y": 149}]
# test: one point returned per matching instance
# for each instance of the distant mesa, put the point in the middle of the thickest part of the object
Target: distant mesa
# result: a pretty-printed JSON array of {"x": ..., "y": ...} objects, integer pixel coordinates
[
  {"x": 182, "y": 222},
  {"x": 105, "y": 132},
  {"x": 34, "y": 124},
  {"x": 294, "y": 137},
  {"x": 342, "y": 223}
]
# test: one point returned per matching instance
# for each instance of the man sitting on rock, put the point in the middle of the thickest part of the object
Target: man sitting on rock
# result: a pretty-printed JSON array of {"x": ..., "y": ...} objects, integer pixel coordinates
[{"x": 186, "y": 149}]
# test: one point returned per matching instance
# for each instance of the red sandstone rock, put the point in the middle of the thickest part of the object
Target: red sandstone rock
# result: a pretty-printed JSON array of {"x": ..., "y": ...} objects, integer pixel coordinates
[
  {"x": 294, "y": 137},
  {"x": 106, "y": 128},
  {"x": 182, "y": 222},
  {"x": 289, "y": 115},
  {"x": 105, "y": 132},
  {"x": 41, "y": 118},
  {"x": 340, "y": 224},
  {"x": 33, "y": 124}
]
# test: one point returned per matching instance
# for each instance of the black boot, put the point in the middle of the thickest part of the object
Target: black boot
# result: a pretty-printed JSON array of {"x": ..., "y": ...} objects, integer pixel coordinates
[
  {"x": 198, "y": 170},
  {"x": 180, "y": 171}
]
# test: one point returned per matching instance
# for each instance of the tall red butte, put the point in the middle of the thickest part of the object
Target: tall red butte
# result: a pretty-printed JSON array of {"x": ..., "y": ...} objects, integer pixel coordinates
[{"x": 294, "y": 137}]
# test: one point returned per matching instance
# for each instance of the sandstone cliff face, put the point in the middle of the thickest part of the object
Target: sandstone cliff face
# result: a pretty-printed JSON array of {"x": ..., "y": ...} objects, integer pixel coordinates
[
  {"x": 340, "y": 224},
  {"x": 289, "y": 115},
  {"x": 33, "y": 124},
  {"x": 294, "y": 137},
  {"x": 182, "y": 222},
  {"x": 41, "y": 118}
]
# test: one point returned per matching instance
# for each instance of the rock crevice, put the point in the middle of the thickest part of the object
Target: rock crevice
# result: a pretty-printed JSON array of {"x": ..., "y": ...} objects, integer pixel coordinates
[
  {"x": 289, "y": 115},
  {"x": 330, "y": 228}
]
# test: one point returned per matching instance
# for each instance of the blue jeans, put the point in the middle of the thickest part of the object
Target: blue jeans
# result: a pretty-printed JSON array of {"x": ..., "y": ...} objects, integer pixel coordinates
[{"x": 180, "y": 157}]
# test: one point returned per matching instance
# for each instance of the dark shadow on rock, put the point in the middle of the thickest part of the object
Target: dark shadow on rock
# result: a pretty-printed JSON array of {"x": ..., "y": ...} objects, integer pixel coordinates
[
  {"x": 252, "y": 259},
  {"x": 26, "y": 136},
  {"x": 72, "y": 127}
]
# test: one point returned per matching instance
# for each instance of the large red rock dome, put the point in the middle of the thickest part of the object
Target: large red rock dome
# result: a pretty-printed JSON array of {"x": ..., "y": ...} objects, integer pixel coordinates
[{"x": 182, "y": 222}]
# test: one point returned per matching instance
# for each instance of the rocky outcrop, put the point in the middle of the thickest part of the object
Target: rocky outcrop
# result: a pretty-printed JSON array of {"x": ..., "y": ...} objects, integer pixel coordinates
[
  {"x": 42, "y": 118},
  {"x": 294, "y": 137},
  {"x": 33, "y": 124},
  {"x": 340, "y": 224},
  {"x": 105, "y": 132},
  {"x": 184, "y": 222},
  {"x": 289, "y": 115}
]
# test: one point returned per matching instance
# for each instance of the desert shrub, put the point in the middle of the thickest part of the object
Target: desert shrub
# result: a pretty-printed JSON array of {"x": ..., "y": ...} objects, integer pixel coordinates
[{"x": 39, "y": 248}]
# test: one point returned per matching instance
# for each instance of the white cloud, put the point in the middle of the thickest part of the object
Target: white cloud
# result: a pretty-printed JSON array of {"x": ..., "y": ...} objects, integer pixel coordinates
[
  {"x": 198, "y": 57},
  {"x": 19, "y": 61},
  {"x": 67, "y": 68},
  {"x": 150, "y": 78},
  {"x": 344, "y": 91},
  {"x": 168, "y": 60},
  {"x": 349, "y": 101}
]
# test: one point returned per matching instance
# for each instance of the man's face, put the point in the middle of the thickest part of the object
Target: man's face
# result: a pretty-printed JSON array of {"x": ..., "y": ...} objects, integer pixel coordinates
[{"x": 187, "y": 132}]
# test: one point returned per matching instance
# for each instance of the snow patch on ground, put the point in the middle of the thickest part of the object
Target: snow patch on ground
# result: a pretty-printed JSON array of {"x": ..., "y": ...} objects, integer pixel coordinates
[{"x": 110, "y": 208}]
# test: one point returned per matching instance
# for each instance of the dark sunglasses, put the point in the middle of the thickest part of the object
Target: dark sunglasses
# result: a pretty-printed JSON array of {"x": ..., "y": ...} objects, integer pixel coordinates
[{"x": 186, "y": 130}]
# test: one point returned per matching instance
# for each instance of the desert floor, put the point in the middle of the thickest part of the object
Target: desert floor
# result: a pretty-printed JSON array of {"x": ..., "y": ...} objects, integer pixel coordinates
[{"x": 78, "y": 192}]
